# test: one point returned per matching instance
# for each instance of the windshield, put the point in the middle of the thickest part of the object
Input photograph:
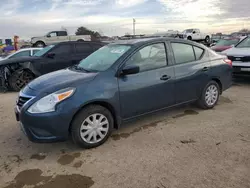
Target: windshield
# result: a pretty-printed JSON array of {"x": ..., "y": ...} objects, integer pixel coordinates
[
  {"x": 103, "y": 58},
  {"x": 227, "y": 42},
  {"x": 43, "y": 51},
  {"x": 188, "y": 31},
  {"x": 244, "y": 43}
]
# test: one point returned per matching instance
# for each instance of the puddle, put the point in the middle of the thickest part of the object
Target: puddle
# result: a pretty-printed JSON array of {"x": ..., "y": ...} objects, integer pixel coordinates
[
  {"x": 186, "y": 113},
  {"x": 126, "y": 135},
  {"x": 34, "y": 178},
  {"x": 67, "y": 158},
  {"x": 224, "y": 100},
  {"x": 39, "y": 156},
  {"x": 187, "y": 141},
  {"x": 78, "y": 164}
]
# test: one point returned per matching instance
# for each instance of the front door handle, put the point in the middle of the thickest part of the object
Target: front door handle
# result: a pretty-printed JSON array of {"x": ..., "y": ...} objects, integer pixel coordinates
[
  {"x": 205, "y": 69},
  {"x": 165, "y": 77}
]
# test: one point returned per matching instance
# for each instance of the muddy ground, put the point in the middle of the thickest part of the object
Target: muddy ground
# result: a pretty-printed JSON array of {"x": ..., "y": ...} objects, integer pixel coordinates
[{"x": 184, "y": 147}]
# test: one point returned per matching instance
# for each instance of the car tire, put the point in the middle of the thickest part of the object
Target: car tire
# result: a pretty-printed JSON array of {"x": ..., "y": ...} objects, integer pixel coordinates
[
  {"x": 189, "y": 38},
  {"x": 207, "y": 39},
  {"x": 210, "y": 95},
  {"x": 80, "y": 40},
  {"x": 39, "y": 44},
  {"x": 20, "y": 79},
  {"x": 92, "y": 126}
]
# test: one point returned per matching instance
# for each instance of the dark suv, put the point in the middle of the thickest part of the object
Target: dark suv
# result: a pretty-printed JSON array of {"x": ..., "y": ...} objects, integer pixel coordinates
[
  {"x": 120, "y": 81},
  {"x": 15, "y": 73}
]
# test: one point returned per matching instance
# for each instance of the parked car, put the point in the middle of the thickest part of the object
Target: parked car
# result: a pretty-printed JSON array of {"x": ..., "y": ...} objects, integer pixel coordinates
[
  {"x": 195, "y": 35},
  {"x": 226, "y": 43},
  {"x": 22, "y": 53},
  {"x": 15, "y": 73},
  {"x": 240, "y": 57},
  {"x": 118, "y": 82},
  {"x": 57, "y": 36}
]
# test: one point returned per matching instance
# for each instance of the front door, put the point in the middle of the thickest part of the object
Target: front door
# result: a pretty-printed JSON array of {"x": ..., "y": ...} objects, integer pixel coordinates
[
  {"x": 51, "y": 38},
  {"x": 150, "y": 89},
  {"x": 62, "y": 58},
  {"x": 191, "y": 71}
]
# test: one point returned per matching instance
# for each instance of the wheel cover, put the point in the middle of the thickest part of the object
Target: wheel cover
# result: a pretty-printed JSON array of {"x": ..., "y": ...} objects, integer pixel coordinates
[
  {"x": 211, "y": 95},
  {"x": 23, "y": 79},
  {"x": 94, "y": 128}
]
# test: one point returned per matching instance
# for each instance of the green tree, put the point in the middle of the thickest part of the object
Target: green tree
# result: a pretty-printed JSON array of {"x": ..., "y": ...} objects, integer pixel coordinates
[{"x": 85, "y": 31}]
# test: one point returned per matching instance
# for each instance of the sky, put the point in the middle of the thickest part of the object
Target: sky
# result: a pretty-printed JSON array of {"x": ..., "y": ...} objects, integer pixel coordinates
[{"x": 28, "y": 18}]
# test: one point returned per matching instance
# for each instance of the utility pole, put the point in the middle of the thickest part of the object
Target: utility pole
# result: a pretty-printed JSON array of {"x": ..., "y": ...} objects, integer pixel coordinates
[{"x": 133, "y": 26}]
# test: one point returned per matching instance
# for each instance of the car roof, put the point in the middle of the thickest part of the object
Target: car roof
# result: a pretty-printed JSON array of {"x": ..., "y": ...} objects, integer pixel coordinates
[{"x": 138, "y": 42}]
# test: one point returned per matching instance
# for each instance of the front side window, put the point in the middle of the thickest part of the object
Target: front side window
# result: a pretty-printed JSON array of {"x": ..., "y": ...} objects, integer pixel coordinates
[
  {"x": 244, "y": 43},
  {"x": 35, "y": 51},
  {"x": 150, "y": 57},
  {"x": 53, "y": 34},
  {"x": 62, "y": 49},
  {"x": 183, "y": 53},
  {"x": 21, "y": 54},
  {"x": 227, "y": 42},
  {"x": 43, "y": 51},
  {"x": 103, "y": 58}
]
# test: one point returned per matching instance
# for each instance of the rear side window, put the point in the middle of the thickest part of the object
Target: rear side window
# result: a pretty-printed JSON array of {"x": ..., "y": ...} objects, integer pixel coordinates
[
  {"x": 198, "y": 52},
  {"x": 61, "y": 33},
  {"x": 21, "y": 54},
  {"x": 82, "y": 48},
  {"x": 183, "y": 53},
  {"x": 62, "y": 49}
]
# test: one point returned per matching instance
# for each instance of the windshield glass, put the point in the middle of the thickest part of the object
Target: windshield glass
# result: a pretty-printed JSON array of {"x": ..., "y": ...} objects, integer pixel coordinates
[
  {"x": 103, "y": 58},
  {"x": 43, "y": 51},
  {"x": 227, "y": 42},
  {"x": 244, "y": 43},
  {"x": 188, "y": 31}
]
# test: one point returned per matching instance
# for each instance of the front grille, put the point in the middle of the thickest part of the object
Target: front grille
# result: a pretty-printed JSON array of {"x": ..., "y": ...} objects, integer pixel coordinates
[
  {"x": 22, "y": 100},
  {"x": 242, "y": 59}
]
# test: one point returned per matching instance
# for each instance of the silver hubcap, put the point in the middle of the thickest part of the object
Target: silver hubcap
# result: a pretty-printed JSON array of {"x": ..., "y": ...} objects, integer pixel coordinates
[
  {"x": 94, "y": 128},
  {"x": 211, "y": 95}
]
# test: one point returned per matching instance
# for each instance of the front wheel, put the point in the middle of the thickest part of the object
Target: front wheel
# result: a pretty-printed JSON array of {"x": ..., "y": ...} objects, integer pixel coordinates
[
  {"x": 209, "y": 96},
  {"x": 92, "y": 126},
  {"x": 207, "y": 39},
  {"x": 19, "y": 79}
]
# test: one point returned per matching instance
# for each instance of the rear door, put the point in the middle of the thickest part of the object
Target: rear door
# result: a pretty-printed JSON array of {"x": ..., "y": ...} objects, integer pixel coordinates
[
  {"x": 62, "y": 58},
  {"x": 81, "y": 51},
  {"x": 192, "y": 67},
  {"x": 153, "y": 87},
  {"x": 62, "y": 36},
  {"x": 51, "y": 38}
]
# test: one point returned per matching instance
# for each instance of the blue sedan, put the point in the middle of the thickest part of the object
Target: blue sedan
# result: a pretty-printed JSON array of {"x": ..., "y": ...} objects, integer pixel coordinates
[{"x": 118, "y": 82}]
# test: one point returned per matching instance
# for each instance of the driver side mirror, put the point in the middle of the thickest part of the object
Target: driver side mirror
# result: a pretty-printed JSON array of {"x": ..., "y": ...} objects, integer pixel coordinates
[
  {"x": 130, "y": 69},
  {"x": 51, "y": 55},
  {"x": 194, "y": 32},
  {"x": 48, "y": 36}
]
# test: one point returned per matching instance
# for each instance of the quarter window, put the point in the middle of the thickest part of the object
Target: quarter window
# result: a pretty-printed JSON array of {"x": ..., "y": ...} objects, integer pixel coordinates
[
  {"x": 149, "y": 57},
  {"x": 183, "y": 53},
  {"x": 198, "y": 52}
]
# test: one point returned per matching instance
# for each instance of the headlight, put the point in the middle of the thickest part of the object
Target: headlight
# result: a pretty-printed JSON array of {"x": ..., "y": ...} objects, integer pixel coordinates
[{"x": 49, "y": 102}]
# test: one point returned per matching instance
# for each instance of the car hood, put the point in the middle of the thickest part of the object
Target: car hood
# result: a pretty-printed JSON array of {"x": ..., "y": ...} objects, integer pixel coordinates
[
  {"x": 220, "y": 48},
  {"x": 19, "y": 60},
  {"x": 59, "y": 80},
  {"x": 237, "y": 51}
]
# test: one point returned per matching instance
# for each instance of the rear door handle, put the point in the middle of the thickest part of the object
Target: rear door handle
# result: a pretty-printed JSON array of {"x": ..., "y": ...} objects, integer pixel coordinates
[
  {"x": 205, "y": 69},
  {"x": 165, "y": 77}
]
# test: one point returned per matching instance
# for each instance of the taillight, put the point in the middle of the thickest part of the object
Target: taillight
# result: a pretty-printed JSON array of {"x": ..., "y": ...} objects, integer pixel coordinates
[{"x": 229, "y": 62}]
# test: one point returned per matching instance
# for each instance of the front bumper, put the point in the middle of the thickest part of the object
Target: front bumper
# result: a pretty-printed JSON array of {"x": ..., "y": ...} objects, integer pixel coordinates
[
  {"x": 241, "y": 68},
  {"x": 47, "y": 127}
]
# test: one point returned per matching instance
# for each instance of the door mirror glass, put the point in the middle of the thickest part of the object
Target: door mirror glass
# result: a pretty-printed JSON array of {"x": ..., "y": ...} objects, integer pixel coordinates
[
  {"x": 194, "y": 32},
  {"x": 51, "y": 55},
  {"x": 48, "y": 36},
  {"x": 131, "y": 69}
]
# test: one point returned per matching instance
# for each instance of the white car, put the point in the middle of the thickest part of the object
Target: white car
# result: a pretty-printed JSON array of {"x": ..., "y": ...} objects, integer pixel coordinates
[
  {"x": 21, "y": 53},
  {"x": 240, "y": 57},
  {"x": 195, "y": 35}
]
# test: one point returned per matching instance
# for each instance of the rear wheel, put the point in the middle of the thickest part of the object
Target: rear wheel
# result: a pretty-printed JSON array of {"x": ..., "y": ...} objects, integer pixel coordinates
[
  {"x": 207, "y": 39},
  {"x": 39, "y": 44},
  {"x": 19, "y": 79},
  {"x": 189, "y": 38},
  {"x": 210, "y": 95},
  {"x": 92, "y": 126}
]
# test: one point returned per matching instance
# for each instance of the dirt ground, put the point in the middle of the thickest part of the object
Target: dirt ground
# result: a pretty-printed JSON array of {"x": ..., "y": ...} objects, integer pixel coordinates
[{"x": 184, "y": 147}]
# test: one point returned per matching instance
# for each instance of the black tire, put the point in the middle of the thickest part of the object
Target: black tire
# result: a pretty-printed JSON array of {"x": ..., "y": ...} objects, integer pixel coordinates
[
  {"x": 80, "y": 40},
  {"x": 20, "y": 79},
  {"x": 81, "y": 117},
  {"x": 202, "y": 101},
  {"x": 39, "y": 44},
  {"x": 189, "y": 38},
  {"x": 207, "y": 39}
]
